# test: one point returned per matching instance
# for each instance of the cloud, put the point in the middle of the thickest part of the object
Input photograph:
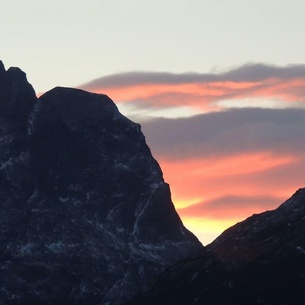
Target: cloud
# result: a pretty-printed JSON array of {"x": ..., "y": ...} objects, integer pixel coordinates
[
  {"x": 258, "y": 72},
  {"x": 231, "y": 132},
  {"x": 246, "y": 73},
  {"x": 192, "y": 181},
  {"x": 244, "y": 154},
  {"x": 231, "y": 206},
  {"x": 212, "y": 194},
  {"x": 204, "y": 91}
]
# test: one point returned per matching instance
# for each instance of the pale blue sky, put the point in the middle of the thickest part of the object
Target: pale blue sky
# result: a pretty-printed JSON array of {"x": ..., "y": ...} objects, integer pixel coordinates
[{"x": 65, "y": 42}]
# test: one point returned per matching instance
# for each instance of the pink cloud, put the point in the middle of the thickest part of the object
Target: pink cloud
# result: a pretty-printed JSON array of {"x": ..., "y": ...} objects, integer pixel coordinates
[
  {"x": 231, "y": 207},
  {"x": 203, "y": 91},
  {"x": 260, "y": 174}
]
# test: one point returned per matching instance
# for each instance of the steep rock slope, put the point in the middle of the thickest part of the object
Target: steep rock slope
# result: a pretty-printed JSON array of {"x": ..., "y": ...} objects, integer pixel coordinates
[
  {"x": 258, "y": 261},
  {"x": 86, "y": 217}
]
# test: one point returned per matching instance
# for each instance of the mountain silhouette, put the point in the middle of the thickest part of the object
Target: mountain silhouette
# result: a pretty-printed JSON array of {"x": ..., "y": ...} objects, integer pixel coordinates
[
  {"x": 86, "y": 217},
  {"x": 260, "y": 260}
]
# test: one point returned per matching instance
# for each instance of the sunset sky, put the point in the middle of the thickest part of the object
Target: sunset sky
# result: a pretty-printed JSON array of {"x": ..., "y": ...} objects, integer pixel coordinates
[{"x": 218, "y": 87}]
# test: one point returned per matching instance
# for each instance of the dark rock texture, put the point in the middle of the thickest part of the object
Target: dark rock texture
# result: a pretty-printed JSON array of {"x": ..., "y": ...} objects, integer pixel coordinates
[
  {"x": 86, "y": 217},
  {"x": 258, "y": 261},
  {"x": 17, "y": 97}
]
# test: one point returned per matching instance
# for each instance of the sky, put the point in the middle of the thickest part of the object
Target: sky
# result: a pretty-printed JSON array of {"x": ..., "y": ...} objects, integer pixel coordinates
[{"x": 217, "y": 86}]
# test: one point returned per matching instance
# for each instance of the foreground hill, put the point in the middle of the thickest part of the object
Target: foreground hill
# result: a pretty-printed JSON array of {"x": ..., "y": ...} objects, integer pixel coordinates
[
  {"x": 86, "y": 217},
  {"x": 258, "y": 261}
]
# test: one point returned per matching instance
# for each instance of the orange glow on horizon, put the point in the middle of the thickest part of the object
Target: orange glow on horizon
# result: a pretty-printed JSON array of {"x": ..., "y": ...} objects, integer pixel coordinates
[
  {"x": 207, "y": 229},
  {"x": 197, "y": 182},
  {"x": 185, "y": 203},
  {"x": 220, "y": 175},
  {"x": 226, "y": 165}
]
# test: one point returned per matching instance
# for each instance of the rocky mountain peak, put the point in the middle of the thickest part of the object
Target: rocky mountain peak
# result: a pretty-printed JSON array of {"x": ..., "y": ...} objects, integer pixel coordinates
[
  {"x": 2, "y": 68},
  {"x": 86, "y": 217},
  {"x": 77, "y": 105},
  {"x": 297, "y": 200},
  {"x": 17, "y": 96}
]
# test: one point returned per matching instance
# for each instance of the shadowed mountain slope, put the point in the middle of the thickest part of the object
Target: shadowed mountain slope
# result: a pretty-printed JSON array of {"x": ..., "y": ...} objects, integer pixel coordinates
[
  {"x": 86, "y": 217},
  {"x": 258, "y": 261}
]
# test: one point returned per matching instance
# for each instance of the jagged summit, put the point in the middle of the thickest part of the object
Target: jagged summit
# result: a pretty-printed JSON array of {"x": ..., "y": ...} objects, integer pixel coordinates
[
  {"x": 2, "y": 68},
  {"x": 17, "y": 96},
  {"x": 86, "y": 216}
]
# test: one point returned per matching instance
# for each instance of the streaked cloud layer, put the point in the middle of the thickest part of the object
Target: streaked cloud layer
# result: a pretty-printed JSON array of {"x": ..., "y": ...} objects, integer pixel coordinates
[
  {"x": 235, "y": 131},
  {"x": 238, "y": 151},
  {"x": 206, "y": 92}
]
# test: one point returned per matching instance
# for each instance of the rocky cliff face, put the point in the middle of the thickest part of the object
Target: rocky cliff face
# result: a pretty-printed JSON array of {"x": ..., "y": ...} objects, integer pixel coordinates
[
  {"x": 86, "y": 217},
  {"x": 258, "y": 261}
]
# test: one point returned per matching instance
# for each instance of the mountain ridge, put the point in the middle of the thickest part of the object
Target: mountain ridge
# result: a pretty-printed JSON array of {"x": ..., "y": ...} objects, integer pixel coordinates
[
  {"x": 86, "y": 214},
  {"x": 260, "y": 260}
]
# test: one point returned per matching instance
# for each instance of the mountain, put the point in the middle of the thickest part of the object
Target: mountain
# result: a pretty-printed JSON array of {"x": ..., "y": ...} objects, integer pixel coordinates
[
  {"x": 258, "y": 261},
  {"x": 86, "y": 217}
]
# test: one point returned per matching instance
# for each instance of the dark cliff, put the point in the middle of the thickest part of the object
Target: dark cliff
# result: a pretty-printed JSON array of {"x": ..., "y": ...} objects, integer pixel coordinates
[{"x": 86, "y": 217}]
